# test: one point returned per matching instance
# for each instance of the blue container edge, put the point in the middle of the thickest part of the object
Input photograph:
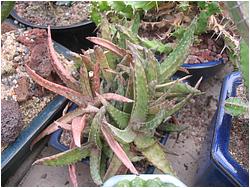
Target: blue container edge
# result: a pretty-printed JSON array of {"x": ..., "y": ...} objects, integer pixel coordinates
[{"x": 221, "y": 157}]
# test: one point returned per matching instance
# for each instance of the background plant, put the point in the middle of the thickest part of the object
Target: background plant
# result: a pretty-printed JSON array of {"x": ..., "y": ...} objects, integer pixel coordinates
[
  {"x": 6, "y": 7},
  {"x": 239, "y": 12}
]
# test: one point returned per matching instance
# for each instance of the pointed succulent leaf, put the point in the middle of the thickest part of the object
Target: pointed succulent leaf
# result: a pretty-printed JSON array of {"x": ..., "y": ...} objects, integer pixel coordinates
[
  {"x": 72, "y": 169},
  {"x": 129, "y": 93},
  {"x": 165, "y": 105},
  {"x": 116, "y": 97},
  {"x": 155, "y": 155},
  {"x": 156, "y": 45},
  {"x": 103, "y": 165},
  {"x": 109, "y": 45},
  {"x": 53, "y": 127},
  {"x": 94, "y": 164},
  {"x": 141, "y": 94},
  {"x": 72, "y": 95},
  {"x": 113, "y": 168},
  {"x": 125, "y": 136},
  {"x": 84, "y": 81},
  {"x": 170, "y": 127},
  {"x": 152, "y": 66},
  {"x": 174, "y": 84},
  {"x": 136, "y": 23},
  {"x": 114, "y": 145},
  {"x": 182, "y": 88},
  {"x": 116, "y": 166},
  {"x": 61, "y": 71},
  {"x": 65, "y": 158},
  {"x": 171, "y": 64},
  {"x": 105, "y": 28},
  {"x": 143, "y": 141},
  {"x": 112, "y": 58},
  {"x": 95, "y": 81},
  {"x": 163, "y": 114},
  {"x": 72, "y": 174},
  {"x": 121, "y": 118},
  {"x": 64, "y": 126},
  {"x": 102, "y": 60},
  {"x": 87, "y": 62},
  {"x": 78, "y": 125},
  {"x": 94, "y": 134},
  {"x": 132, "y": 37}
]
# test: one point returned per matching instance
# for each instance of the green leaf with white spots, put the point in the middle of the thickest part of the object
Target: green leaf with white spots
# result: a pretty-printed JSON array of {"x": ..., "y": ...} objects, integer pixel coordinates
[{"x": 236, "y": 106}]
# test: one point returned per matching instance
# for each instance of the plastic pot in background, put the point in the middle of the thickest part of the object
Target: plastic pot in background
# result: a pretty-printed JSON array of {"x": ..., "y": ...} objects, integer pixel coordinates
[
  {"x": 17, "y": 152},
  {"x": 72, "y": 36},
  {"x": 111, "y": 182},
  {"x": 223, "y": 169},
  {"x": 205, "y": 70}
]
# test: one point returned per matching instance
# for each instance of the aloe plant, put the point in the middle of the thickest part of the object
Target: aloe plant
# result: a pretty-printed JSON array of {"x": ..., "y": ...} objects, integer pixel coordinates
[{"x": 121, "y": 103}]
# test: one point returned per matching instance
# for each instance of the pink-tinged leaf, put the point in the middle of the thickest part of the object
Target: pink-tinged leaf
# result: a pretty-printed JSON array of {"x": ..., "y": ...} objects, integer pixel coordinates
[
  {"x": 100, "y": 98},
  {"x": 182, "y": 69},
  {"x": 72, "y": 175},
  {"x": 72, "y": 95},
  {"x": 109, "y": 45},
  {"x": 72, "y": 168},
  {"x": 116, "y": 97},
  {"x": 64, "y": 126},
  {"x": 96, "y": 79},
  {"x": 63, "y": 73},
  {"x": 117, "y": 149},
  {"x": 111, "y": 71},
  {"x": 78, "y": 125},
  {"x": 86, "y": 60},
  {"x": 64, "y": 119}
]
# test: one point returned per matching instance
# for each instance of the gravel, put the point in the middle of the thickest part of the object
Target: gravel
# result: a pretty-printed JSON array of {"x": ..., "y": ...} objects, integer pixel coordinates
[
  {"x": 49, "y": 13},
  {"x": 13, "y": 57}
]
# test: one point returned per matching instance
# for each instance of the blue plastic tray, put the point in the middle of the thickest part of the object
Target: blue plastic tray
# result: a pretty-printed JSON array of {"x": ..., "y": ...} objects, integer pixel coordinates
[
  {"x": 15, "y": 153},
  {"x": 205, "y": 70},
  {"x": 223, "y": 122},
  {"x": 223, "y": 170}
]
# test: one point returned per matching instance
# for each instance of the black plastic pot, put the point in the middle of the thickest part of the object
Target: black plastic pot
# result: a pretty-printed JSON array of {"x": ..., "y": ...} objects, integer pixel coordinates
[
  {"x": 72, "y": 36},
  {"x": 222, "y": 168},
  {"x": 17, "y": 152}
]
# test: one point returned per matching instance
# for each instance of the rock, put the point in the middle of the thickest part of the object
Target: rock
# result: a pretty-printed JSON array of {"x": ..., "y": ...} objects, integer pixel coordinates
[
  {"x": 22, "y": 91},
  {"x": 39, "y": 60},
  {"x": 6, "y": 27},
  {"x": 36, "y": 36},
  {"x": 7, "y": 67},
  {"x": 11, "y": 121}
]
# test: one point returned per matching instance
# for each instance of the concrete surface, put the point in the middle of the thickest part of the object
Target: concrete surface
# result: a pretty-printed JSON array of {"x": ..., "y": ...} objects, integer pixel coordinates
[{"x": 46, "y": 176}]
